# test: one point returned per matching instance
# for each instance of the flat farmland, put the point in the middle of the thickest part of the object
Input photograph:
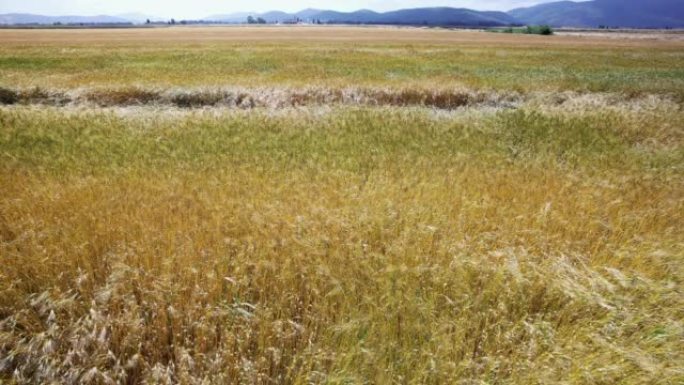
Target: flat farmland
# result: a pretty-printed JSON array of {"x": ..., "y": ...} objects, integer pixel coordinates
[
  {"x": 338, "y": 57},
  {"x": 338, "y": 205}
]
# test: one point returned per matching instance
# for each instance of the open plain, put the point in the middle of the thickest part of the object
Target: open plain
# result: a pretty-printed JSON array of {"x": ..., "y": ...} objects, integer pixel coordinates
[{"x": 338, "y": 205}]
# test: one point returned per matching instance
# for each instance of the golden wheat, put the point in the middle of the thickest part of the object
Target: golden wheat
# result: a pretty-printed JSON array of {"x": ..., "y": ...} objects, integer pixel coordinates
[{"x": 340, "y": 235}]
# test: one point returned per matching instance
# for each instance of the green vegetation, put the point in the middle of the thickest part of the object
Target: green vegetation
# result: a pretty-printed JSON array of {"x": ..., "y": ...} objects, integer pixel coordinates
[
  {"x": 8, "y": 96},
  {"x": 529, "y": 30},
  {"x": 353, "y": 139}
]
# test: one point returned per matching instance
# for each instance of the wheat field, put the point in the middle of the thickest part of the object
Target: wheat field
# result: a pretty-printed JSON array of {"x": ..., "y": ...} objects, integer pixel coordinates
[{"x": 340, "y": 206}]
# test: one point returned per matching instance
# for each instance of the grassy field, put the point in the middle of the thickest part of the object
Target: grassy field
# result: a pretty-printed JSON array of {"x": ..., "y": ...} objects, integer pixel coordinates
[
  {"x": 466, "y": 208},
  {"x": 337, "y": 57}
]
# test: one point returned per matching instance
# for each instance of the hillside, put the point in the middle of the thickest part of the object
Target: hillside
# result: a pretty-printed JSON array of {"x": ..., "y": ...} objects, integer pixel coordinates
[
  {"x": 417, "y": 16},
  {"x": 613, "y": 13}
]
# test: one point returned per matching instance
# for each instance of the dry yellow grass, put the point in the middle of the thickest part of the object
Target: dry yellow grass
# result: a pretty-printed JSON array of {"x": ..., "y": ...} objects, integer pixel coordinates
[
  {"x": 325, "y": 34},
  {"x": 401, "y": 242}
]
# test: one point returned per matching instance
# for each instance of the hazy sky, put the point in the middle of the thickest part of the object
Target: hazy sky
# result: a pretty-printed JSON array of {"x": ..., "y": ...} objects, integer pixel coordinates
[{"x": 201, "y": 8}]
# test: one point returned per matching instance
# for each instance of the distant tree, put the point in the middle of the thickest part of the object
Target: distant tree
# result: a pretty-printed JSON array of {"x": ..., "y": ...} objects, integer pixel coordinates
[
  {"x": 148, "y": 21},
  {"x": 173, "y": 21},
  {"x": 251, "y": 20},
  {"x": 260, "y": 20},
  {"x": 538, "y": 30},
  {"x": 545, "y": 30}
]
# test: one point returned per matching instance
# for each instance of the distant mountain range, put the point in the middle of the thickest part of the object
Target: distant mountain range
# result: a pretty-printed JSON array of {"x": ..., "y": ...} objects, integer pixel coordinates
[
  {"x": 27, "y": 18},
  {"x": 441, "y": 16},
  {"x": 138, "y": 18},
  {"x": 608, "y": 13}
]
